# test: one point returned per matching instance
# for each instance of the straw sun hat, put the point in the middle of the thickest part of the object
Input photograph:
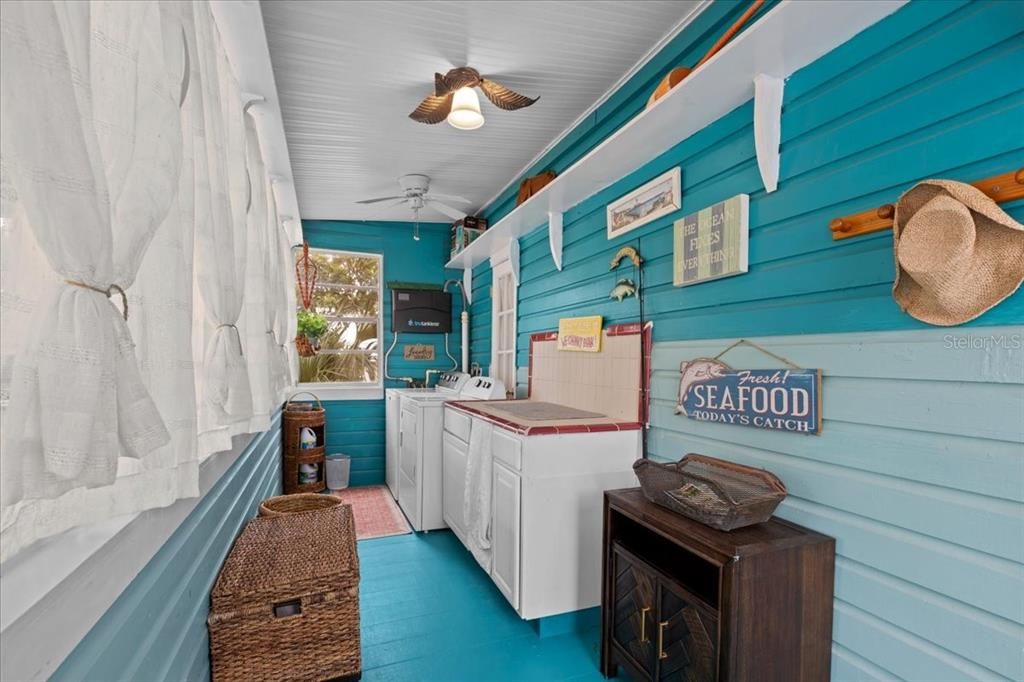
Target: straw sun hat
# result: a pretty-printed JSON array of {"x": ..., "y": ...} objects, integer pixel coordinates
[{"x": 957, "y": 253}]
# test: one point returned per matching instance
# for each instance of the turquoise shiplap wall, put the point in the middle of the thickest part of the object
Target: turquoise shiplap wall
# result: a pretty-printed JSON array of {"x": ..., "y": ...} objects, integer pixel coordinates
[
  {"x": 920, "y": 470},
  {"x": 933, "y": 90},
  {"x": 156, "y": 630},
  {"x": 356, "y": 427},
  {"x": 631, "y": 98}
]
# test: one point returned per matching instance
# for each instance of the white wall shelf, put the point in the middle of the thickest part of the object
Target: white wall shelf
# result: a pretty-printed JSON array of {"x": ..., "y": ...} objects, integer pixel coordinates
[{"x": 787, "y": 38}]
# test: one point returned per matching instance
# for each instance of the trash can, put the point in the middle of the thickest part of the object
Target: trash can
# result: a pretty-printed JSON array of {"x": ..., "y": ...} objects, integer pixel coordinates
[{"x": 338, "y": 467}]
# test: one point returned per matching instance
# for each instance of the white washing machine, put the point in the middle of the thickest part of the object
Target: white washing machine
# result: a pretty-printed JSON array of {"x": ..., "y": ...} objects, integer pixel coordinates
[
  {"x": 449, "y": 383},
  {"x": 421, "y": 435}
]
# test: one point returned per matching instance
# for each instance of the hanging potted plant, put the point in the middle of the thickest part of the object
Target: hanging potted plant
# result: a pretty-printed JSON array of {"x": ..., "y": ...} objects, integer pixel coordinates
[{"x": 312, "y": 326}]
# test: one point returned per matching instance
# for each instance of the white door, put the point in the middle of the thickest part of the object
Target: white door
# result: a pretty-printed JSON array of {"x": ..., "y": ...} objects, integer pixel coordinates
[
  {"x": 392, "y": 415},
  {"x": 408, "y": 465},
  {"x": 453, "y": 490},
  {"x": 505, "y": 529}
]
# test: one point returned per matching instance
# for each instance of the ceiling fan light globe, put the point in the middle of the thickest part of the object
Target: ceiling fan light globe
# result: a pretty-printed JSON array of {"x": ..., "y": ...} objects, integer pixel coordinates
[{"x": 465, "y": 113}]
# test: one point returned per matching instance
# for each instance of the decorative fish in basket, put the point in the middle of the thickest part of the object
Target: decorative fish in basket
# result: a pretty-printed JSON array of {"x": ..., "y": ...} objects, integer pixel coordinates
[{"x": 623, "y": 288}]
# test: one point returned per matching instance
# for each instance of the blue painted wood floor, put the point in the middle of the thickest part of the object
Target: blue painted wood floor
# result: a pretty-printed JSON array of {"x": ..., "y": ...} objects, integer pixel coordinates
[{"x": 430, "y": 614}]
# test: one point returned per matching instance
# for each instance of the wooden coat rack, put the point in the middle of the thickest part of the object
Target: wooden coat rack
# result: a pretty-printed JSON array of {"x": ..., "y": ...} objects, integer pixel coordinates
[{"x": 1000, "y": 188}]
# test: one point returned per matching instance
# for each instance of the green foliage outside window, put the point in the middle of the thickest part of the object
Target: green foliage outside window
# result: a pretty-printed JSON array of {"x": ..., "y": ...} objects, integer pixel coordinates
[{"x": 347, "y": 299}]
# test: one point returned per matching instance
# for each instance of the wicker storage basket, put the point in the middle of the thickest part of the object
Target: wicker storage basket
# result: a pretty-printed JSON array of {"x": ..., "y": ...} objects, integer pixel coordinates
[
  {"x": 286, "y": 603},
  {"x": 296, "y": 416},
  {"x": 720, "y": 494},
  {"x": 295, "y": 504}
]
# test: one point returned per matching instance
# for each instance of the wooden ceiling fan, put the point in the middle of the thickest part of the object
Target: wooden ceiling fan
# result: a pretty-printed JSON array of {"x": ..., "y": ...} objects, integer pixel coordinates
[{"x": 453, "y": 86}]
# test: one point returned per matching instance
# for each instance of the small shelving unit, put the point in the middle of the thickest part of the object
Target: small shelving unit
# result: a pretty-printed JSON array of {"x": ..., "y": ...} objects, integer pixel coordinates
[{"x": 754, "y": 65}]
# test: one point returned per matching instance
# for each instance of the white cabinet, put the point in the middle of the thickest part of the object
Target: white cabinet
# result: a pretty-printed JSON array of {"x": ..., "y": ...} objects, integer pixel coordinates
[
  {"x": 420, "y": 462},
  {"x": 392, "y": 411},
  {"x": 454, "y": 487},
  {"x": 546, "y": 508},
  {"x": 408, "y": 454},
  {"x": 505, "y": 541}
]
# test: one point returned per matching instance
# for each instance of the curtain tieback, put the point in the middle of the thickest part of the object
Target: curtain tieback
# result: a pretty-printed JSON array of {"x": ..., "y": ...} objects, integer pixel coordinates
[
  {"x": 108, "y": 292},
  {"x": 238, "y": 335}
]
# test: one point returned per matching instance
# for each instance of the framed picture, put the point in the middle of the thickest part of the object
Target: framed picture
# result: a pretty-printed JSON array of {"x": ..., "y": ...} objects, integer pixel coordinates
[
  {"x": 711, "y": 243},
  {"x": 659, "y": 197}
]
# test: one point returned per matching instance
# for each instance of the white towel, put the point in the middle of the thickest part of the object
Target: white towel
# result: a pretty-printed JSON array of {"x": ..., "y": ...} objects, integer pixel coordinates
[{"x": 477, "y": 502}]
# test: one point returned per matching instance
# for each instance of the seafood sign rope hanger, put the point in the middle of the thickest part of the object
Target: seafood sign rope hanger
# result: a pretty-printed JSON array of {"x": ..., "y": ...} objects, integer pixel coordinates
[{"x": 744, "y": 342}]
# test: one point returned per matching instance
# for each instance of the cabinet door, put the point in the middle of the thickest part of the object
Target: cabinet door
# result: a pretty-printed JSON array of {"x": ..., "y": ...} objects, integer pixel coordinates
[
  {"x": 687, "y": 637},
  {"x": 409, "y": 487},
  {"x": 392, "y": 416},
  {"x": 505, "y": 533},
  {"x": 453, "y": 486},
  {"x": 634, "y": 609}
]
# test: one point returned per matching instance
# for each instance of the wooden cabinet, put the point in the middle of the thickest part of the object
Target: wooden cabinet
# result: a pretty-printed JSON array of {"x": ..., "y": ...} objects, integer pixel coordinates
[
  {"x": 687, "y": 603},
  {"x": 505, "y": 528}
]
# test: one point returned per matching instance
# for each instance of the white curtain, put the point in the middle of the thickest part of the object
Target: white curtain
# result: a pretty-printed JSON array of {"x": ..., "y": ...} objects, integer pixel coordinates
[
  {"x": 222, "y": 199},
  {"x": 124, "y": 168},
  {"x": 92, "y": 143},
  {"x": 278, "y": 279},
  {"x": 256, "y": 295}
]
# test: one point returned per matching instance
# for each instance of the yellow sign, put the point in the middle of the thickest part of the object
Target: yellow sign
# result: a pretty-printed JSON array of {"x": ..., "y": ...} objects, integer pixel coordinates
[{"x": 580, "y": 334}]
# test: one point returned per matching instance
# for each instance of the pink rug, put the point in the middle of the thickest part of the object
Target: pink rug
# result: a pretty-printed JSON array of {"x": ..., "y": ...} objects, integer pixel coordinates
[{"x": 376, "y": 513}]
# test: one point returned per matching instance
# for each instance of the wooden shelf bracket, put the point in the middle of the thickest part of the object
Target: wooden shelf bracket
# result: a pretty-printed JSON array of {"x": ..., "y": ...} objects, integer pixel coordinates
[
  {"x": 1000, "y": 188},
  {"x": 768, "y": 127},
  {"x": 555, "y": 237}
]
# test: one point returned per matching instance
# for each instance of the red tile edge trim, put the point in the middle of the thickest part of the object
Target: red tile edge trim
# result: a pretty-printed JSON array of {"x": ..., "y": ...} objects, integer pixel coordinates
[{"x": 624, "y": 329}]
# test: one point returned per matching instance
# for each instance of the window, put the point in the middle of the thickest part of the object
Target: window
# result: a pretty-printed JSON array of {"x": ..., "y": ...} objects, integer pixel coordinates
[
  {"x": 503, "y": 326},
  {"x": 348, "y": 297}
]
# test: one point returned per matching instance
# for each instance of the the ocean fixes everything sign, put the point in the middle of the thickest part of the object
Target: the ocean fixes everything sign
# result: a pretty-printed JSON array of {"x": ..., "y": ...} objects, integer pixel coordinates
[{"x": 778, "y": 399}]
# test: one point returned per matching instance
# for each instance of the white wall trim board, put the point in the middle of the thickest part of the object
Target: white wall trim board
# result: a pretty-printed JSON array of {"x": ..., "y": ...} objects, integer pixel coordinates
[
  {"x": 245, "y": 41},
  {"x": 653, "y": 52},
  {"x": 86, "y": 570}
]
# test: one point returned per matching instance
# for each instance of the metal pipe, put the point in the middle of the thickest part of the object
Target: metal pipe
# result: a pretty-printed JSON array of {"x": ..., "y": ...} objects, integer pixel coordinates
[
  {"x": 464, "y": 320},
  {"x": 455, "y": 363},
  {"x": 387, "y": 356}
]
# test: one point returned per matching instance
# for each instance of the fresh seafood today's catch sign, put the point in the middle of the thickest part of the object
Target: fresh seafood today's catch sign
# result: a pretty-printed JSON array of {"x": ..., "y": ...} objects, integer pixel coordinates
[{"x": 777, "y": 399}]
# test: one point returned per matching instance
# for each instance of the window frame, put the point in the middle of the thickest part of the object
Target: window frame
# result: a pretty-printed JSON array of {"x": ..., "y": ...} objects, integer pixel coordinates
[
  {"x": 503, "y": 268},
  {"x": 353, "y": 390}
]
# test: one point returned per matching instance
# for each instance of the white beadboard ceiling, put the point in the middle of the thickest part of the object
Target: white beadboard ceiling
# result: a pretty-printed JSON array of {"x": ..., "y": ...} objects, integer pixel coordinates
[{"x": 349, "y": 73}]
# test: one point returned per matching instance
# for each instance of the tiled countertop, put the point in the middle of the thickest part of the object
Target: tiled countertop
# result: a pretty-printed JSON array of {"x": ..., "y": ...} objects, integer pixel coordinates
[{"x": 492, "y": 411}]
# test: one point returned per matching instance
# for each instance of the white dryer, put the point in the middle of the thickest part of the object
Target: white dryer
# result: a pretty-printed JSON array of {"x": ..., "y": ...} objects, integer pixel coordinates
[
  {"x": 421, "y": 436},
  {"x": 449, "y": 383}
]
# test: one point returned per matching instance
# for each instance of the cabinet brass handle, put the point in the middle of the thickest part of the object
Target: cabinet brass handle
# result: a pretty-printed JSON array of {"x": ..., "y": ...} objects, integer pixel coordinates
[
  {"x": 643, "y": 623},
  {"x": 661, "y": 639}
]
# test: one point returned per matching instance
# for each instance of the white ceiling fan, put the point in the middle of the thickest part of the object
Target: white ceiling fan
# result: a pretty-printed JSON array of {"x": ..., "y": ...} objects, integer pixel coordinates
[{"x": 417, "y": 195}]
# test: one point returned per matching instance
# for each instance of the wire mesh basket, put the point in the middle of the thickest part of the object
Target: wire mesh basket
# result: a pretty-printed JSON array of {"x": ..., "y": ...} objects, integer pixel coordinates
[{"x": 717, "y": 493}]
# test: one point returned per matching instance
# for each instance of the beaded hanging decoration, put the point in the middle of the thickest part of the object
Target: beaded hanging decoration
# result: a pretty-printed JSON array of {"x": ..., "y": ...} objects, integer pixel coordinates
[{"x": 306, "y": 272}]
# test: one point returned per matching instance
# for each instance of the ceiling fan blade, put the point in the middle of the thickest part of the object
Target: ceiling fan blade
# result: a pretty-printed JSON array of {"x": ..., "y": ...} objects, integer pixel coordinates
[
  {"x": 433, "y": 109},
  {"x": 503, "y": 98},
  {"x": 452, "y": 213},
  {"x": 379, "y": 199},
  {"x": 447, "y": 197},
  {"x": 399, "y": 202}
]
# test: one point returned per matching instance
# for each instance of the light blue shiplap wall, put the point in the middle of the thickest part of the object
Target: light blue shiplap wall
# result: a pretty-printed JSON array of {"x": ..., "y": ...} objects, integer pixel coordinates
[
  {"x": 156, "y": 630},
  {"x": 356, "y": 427},
  {"x": 918, "y": 474},
  {"x": 920, "y": 470}
]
